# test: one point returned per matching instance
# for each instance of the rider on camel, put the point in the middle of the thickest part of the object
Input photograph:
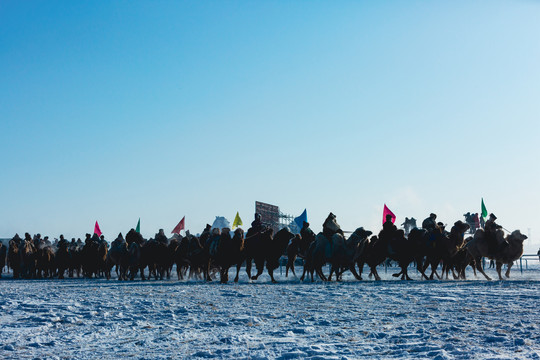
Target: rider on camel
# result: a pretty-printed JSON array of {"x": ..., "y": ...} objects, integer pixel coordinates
[
  {"x": 494, "y": 235},
  {"x": 429, "y": 223},
  {"x": 388, "y": 232}
]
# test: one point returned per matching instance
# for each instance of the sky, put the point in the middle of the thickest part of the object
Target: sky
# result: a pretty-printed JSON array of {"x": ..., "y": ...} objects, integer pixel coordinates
[{"x": 115, "y": 111}]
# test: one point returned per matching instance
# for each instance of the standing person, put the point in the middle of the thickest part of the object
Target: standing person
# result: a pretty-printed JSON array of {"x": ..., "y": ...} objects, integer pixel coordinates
[{"x": 476, "y": 222}]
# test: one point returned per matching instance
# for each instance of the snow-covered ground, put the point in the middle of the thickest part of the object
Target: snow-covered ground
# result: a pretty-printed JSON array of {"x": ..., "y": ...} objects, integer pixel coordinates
[{"x": 95, "y": 318}]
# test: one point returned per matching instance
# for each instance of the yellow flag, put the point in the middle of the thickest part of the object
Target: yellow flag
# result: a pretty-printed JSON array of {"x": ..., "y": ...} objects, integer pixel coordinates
[{"x": 237, "y": 221}]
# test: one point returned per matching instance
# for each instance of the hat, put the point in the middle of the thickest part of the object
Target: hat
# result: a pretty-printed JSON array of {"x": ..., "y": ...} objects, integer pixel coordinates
[
  {"x": 432, "y": 215},
  {"x": 492, "y": 215}
]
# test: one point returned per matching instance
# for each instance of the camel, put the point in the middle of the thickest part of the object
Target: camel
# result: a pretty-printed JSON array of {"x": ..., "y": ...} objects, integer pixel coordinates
[
  {"x": 267, "y": 249},
  {"x": 299, "y": 246},
  {"x": 392, "y": 246},
  {"x": 45, "y": 264},
  {"x": 75, "y": 255},
  {"x": 117, "y": 256},
  {"x": 511, "y": 253},
  {"x": 13, "y": 258},
  {"x": 345, "y": 253},
  {"x": 27, "y": 254},
  {"x": 180, "y": 256},
  {"x": 293, "y": 251},
  {"x": 228, "y": 252},
  {"x": 451, "y": 246},
  {"x": 480, "y": 247},
  {"x": 320, "y": 250},
  {"x": 62, "y": 257}
]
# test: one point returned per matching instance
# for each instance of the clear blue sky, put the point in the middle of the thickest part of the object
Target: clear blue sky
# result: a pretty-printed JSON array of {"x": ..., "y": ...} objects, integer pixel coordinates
[{"x": 112, "y": 111}]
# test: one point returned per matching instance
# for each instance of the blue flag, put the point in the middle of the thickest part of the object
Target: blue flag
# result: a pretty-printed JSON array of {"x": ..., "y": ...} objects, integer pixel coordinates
[{"x": 300, "y": 220}]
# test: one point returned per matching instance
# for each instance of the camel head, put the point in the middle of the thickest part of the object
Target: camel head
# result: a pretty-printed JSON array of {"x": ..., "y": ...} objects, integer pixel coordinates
[
  {"x": 362, "y": 233},
  {"x": 517, "y": 236},
  {"x": 239, "y": 232},
  {"x": 461, "y": 227}
]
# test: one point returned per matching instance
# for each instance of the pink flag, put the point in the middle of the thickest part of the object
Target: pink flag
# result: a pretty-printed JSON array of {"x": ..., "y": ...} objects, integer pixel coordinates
[
  {"x": 385, "y": 212},
  {"x": 97, "y": 230},
  {"x": 179, "y": 227}
]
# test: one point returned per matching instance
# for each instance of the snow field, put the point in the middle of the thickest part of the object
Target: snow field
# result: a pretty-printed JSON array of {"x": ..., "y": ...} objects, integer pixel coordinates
[{"x": 95, "y": 318}]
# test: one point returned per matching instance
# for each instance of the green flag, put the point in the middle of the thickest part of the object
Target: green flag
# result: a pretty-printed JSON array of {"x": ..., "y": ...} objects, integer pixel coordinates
[
  {"x": 484, "y": 210},
  {"x": 138, "y": 228}
]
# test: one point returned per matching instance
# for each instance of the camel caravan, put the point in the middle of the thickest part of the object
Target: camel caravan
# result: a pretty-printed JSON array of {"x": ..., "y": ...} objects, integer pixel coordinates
[{"x": 434, "y": 252}]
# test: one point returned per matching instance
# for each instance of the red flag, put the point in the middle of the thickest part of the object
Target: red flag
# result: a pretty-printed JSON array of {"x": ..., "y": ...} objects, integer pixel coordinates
[
  {"x": 97, "y": 230},
  {"x": 179, "y": 227},
  {"x": 385, "y": 212}
]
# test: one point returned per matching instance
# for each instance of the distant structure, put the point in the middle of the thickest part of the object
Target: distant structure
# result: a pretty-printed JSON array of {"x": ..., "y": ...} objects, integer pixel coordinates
[
  {"x": 275, "y": 219},
  {"x": 220, "y": 223}
]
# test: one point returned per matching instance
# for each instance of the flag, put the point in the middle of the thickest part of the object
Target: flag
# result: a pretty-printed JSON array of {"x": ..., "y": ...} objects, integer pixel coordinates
[
  {"x": 138, "y": 228},
  {"x": 300, "y": 220},
  {"x": 179, "y": 227},
  {"x": 97, "y": 230},
  {"x": 237, "y": 221},
  {"x": 386, "y": 211},
  {"x": 484, "y": 210}
]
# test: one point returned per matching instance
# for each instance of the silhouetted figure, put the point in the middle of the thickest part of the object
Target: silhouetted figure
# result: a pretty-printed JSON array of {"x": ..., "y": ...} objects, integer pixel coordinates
[
  {"x": 388, "y": 232},
  {"x": 429, "y": 223},
  {"x": 257, "y": 225},
  {"x": 472, "y": 221},
  {"x": 160, "y": 237},
  {"x": 476, "y": 222},
  {"x": 306, "y": 233},
  {"x": 389, "y": 225},
  {"x": 409, "y": 224},
  {"x": 494, "y": 235},
  {"x": 331, "y": 227}
]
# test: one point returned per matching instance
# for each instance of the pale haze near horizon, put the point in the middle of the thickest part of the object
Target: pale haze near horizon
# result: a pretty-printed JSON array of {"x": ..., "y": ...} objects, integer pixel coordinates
[{"x": 115, "y": 111}]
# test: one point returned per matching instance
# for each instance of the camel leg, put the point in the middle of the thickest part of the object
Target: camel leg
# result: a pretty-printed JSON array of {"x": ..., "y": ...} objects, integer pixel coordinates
[
  {"x": 352, "y": 268},
  {"x": 498, "y": 266},
  {"x": 303, "y": 273},
  {"x": 434, "y": 267},
  {"x": 248, "y": 267},
  {"x": 260, "y": 268},
  {"x": 238, "y": 266},
  {"x": 375, "y": 273},
  {"x": 292, "y": 269},
  {"x": 421, "y": 270},
  {"x": 319, "y": 272},
  {"x": 360, "y": 269},
  {"x": 332, "y": 269},
  {"x": 271, "y": 273},
  {"x": 481, "y": 270},
  {"x": 223, "y": 275},
  {"x": 507, "y": 273},
  {"x": 179, "y": 272}
]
